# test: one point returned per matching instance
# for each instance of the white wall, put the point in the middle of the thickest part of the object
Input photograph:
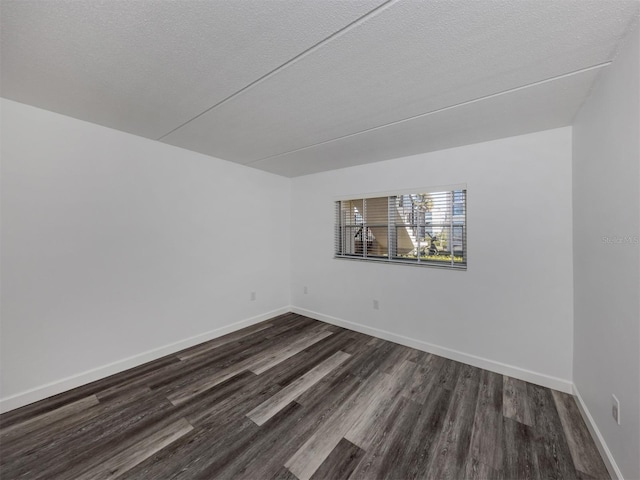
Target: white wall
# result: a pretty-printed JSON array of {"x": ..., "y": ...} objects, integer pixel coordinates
[
  {"x": 606, "y": 200},
  {"x": 114, "y": 245},
  {"x": 513, "y": 307}
]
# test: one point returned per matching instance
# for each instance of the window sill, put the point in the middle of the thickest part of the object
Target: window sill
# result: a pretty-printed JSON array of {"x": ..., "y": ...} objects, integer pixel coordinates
[{"x": 411, "y": 263}]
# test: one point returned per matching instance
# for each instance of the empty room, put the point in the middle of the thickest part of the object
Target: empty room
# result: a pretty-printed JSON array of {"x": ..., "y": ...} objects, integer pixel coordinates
[{"x": 320, "y": 239}]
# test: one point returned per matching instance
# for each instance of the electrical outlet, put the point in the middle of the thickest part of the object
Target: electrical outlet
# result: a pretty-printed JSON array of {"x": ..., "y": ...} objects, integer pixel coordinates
[
  {"x": 615, "y": 409},
  {"x": 253, "y": 296},
  {"x": 376, "y": 305},
  {"x": 306, "y": 290}
]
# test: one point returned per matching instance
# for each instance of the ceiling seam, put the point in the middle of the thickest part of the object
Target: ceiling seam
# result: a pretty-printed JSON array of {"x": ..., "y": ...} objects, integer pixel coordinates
[
  {"x": 635, "y": 19},
  {"x": 380, "y": 8},
  {"x": 439, "y": 110}
]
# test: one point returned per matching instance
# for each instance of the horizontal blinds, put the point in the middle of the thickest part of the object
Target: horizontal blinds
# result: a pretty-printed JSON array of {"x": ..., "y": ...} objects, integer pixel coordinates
[
  {"x": 434, "y": 189},
  {"x": 376, "y": 221},
  {"x": 423, "y": 228}
]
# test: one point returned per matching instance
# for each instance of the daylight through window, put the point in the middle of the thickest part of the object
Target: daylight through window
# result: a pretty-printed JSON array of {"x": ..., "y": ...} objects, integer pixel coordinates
[{"x": 417, "y": 228}]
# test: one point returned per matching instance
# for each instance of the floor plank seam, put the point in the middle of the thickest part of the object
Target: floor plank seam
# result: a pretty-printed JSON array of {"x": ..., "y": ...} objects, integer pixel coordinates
[{"x": 294, "y": 398}]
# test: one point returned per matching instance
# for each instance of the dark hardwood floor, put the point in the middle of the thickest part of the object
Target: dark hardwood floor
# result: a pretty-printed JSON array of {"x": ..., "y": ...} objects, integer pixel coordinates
[{"x": 296, "y": 398}]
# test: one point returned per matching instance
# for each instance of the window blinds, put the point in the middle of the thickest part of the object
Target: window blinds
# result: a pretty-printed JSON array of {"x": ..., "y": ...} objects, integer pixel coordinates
[{"x": 415, "y": 228}]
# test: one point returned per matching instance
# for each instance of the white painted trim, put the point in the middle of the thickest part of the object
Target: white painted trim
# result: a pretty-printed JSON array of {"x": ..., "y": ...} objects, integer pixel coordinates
[
  {"x": 64, "y": 384},
  {"x": 402, "y": 191},
  {"x": 480, "y": 362},
  {"x": 605, "y": 453}
]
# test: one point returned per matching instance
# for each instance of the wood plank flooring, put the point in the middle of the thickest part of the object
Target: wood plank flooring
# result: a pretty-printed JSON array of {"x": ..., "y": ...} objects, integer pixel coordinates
[{"x": 294, "y": 398}]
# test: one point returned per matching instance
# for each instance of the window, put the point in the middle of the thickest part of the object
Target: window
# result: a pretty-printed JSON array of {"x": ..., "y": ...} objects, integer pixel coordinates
[{"x": 426, "y": 228}]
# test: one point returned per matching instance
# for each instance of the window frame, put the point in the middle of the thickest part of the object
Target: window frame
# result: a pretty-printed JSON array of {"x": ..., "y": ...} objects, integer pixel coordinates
[{"x": 457, "y": 218}]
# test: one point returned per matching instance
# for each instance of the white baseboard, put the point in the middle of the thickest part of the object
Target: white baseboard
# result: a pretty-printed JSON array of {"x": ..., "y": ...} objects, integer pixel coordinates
[
  {"x": 555, "y": 383},
  {"x": 64, "y": 384},
  {"x": 33, "y": 395},
  {"x": 605, "y": 453}
]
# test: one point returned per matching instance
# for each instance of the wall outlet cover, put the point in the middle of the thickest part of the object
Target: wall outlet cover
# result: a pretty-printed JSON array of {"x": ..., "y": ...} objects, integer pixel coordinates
[{"x": 615, "y": 409}]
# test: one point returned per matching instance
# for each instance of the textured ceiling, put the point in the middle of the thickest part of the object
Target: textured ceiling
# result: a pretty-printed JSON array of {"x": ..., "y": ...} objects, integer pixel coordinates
[{"x": 302, "y": 86}]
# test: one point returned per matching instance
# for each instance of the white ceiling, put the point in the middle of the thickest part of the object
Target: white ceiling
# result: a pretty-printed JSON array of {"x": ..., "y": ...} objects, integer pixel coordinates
[{"x": 302, "y": 86}]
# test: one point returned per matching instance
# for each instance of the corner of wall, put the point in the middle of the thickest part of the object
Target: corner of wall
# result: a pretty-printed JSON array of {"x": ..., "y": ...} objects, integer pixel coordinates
[
  {"x": 548, "y": 381},
  {"x": 41, "y": 392},
  {"x": 605, "y": 453}
]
